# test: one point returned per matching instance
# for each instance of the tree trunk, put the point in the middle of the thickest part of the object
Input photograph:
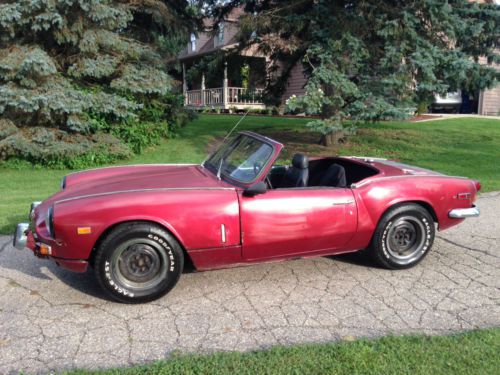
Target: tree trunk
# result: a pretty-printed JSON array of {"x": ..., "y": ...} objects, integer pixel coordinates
[
  {"x": 328, "y": 111},
  {"x": 332, "y": 138}
]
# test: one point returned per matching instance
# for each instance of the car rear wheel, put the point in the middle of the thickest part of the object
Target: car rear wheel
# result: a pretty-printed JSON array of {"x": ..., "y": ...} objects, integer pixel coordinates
[
  {"x": 138, "y": 262},
  {"x": 403, "y": 237}
]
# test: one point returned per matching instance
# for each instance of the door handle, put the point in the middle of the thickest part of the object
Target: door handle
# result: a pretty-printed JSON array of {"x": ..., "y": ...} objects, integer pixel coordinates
[{"x": 341, "y": 203}]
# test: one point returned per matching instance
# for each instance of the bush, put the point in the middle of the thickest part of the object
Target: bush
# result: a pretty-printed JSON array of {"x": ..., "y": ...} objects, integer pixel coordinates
[
  {"x": 136, "y": 134},
  {"x": 59, "y": 149},
  {"x": 85, "y": 82},
  {"x": 7, "y": 128},
  {"x": 183, "y": 118},
  {"x": 423, "y": 107}
]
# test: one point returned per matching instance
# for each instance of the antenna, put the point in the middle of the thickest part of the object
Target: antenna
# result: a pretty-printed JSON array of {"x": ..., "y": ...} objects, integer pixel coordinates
[
  {"x": 235, "y": 126},
  {"x": 228, "y": 135}
]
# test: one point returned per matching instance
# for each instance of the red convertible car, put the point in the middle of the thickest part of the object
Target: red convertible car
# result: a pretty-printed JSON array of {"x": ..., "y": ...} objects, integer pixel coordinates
[{"x": 137, "y": 225}]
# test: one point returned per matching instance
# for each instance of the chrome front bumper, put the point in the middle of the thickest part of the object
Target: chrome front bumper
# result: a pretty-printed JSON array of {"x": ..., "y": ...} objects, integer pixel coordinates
[
  {"x": 21, "y": 236},
  {"x": 462, "y": 213}
]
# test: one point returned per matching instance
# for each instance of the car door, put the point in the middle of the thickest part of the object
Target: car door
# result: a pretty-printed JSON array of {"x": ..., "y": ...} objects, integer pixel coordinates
[{"x": 295, "y": 222}]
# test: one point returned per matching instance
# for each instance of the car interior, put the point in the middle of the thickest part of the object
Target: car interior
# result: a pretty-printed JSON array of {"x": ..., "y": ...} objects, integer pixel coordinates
[{"x": 328, "y": 172}]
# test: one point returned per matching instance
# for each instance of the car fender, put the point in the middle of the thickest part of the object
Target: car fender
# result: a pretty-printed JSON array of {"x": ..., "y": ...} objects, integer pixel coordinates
[
  {"x": 195, "y": 217},
  {"x": 435, "y": 192}
]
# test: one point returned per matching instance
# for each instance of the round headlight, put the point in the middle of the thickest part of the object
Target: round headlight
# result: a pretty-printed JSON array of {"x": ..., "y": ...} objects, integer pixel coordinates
[
  {"x": 32, "y": 209},
  {"x": 49, "y": 221}
]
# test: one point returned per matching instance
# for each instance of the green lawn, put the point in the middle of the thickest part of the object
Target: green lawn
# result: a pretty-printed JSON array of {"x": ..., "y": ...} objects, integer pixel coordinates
[
  {"x": 467, "y": 147},
  {"x": 467, "y": 354}
]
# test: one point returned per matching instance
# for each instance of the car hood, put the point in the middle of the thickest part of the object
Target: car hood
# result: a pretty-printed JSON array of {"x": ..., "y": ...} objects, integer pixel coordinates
[{"x": 134, "y": 178}]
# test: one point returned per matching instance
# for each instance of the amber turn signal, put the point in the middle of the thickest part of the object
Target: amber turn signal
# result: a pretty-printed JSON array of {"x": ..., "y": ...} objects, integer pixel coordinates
[
  {"x": 45, "y": 249},
  {"x": 84, "y": 230}
]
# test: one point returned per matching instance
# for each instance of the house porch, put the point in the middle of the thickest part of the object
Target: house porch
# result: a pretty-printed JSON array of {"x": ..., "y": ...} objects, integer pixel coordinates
[{"x": 228, "y": 96}]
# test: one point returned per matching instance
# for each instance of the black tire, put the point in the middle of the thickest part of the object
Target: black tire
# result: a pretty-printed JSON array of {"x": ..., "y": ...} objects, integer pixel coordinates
[
  {"x": 403, "y": 237},
  {"x": 138, "y": 262}
]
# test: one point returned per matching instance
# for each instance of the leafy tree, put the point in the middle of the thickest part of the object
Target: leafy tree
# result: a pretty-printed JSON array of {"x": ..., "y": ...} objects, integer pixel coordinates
[
  {"x": 71, "y": 70},
  {"x": 372, "y": 59}
]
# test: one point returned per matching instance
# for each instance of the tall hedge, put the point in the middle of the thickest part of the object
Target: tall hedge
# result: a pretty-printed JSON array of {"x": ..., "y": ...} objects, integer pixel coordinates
[{"x": 80, "y": 78}]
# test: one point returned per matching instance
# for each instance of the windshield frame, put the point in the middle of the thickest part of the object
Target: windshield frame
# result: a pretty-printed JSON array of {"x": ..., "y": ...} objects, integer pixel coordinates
[{"x": 276, "y": 149}]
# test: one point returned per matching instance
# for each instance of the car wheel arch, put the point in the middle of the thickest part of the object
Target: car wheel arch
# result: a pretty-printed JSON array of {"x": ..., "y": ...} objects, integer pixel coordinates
[
  {"x": 424, "y": 204},
  {"x": 187, "y": 258}
]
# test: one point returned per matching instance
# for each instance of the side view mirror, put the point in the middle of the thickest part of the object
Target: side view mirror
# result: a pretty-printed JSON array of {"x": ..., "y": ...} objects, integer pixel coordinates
[{"x": 256, "y": 189}]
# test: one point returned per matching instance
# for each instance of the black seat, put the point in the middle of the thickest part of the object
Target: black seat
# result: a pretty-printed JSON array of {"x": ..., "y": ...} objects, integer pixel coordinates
[
  {"x": 334, "y": 176},
  {"x": 298, "y": 174}
]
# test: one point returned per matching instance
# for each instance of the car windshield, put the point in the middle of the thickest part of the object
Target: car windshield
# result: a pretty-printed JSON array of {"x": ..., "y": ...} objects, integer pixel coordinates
[{"x": 241, "y": 158}]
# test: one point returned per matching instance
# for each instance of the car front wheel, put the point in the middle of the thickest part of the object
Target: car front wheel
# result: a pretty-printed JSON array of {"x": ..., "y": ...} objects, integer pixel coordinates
[
  {"x": 138, "y": 262},
  {"x": 403, "y": 237}
]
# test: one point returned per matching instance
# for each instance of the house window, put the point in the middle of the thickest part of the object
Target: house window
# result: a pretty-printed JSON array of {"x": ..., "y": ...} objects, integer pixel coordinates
[
  {"x": 220, "y": 37},
  {"x": 254, "y": 33},
  {"x": 193, "y": 42}
]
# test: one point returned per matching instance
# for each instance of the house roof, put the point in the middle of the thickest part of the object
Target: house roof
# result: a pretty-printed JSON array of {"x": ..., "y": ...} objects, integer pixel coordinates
[{"x": 206, "y": 40}]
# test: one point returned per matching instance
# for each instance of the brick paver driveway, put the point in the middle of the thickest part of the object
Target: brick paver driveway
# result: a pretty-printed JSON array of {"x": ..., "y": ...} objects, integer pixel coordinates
[{"x": 53, "y": 319}]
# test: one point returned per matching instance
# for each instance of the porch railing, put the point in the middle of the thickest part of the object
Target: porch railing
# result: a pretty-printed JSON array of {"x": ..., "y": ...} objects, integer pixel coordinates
[
  {"x": 193, "y": 97},
  {"x": 217, "y": 98},
  {"x": 241, "y": 95}
]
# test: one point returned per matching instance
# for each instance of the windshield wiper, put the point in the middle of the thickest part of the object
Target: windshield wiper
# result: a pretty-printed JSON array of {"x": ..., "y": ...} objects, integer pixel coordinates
[{"x": 219, "y": 170}]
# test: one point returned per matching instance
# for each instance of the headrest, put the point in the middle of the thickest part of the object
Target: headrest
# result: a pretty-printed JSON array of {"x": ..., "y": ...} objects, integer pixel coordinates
[{"x": 300, "y": 161}]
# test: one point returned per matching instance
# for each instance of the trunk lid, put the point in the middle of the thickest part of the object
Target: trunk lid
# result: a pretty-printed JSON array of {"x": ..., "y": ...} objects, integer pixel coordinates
[{"x": 388, "y": 168}]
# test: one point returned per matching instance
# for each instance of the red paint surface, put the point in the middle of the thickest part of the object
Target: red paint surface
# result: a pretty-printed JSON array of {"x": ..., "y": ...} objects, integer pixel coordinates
[{"x": 192, "y": 203}]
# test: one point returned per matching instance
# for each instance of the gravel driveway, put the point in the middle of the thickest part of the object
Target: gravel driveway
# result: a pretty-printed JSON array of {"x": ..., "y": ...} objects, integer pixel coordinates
[{"x": 51, "y": 319}]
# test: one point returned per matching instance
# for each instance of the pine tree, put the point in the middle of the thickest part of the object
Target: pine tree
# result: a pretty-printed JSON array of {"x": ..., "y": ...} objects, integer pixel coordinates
[
  {"x": 373, "y": 59},
  {"x": 71, "y": 70}
]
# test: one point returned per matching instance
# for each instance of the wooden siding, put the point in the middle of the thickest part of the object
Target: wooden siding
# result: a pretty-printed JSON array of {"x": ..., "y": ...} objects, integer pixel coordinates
[
  {"x": 296, "y": 82},
  {"x": 490, "y": 102}
]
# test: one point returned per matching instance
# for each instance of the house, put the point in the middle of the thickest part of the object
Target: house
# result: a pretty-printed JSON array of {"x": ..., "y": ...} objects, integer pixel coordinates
[
  {"x": 238, "y": 83},
  {"x": 489, "y": 100},
  {"x": 226, "y": 87}
]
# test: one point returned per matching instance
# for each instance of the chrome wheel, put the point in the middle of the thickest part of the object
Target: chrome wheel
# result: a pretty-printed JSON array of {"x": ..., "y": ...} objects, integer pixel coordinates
[
  {"x": 139, "y": 264},
  {"x": 405, "y": 239}
]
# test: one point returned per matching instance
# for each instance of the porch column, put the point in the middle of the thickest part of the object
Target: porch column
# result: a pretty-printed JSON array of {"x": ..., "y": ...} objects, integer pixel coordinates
[
  {"x": 184, "y": 84},
  {"x": 203, "y": 89},
  {"x": 480, "y": 103},
  {"x": 225, "y": 90}
]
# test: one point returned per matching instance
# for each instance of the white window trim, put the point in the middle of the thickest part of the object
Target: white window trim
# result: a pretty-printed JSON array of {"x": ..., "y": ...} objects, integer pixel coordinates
[
  {"x": 192, "y": 43},
  {"x": 220, "y": 35}
]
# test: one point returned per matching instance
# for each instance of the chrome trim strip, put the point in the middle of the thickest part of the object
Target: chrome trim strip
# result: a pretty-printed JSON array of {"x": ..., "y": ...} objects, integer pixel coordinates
[
  {"x": 462, "y": 213},
  {"x": 463, "y": 196},
  {"x": 133, "y": 165},
  {"x": 223, "y": 233},
  {"x": 341, "y": 203},
  {"x": 138, "y": 191},
  {"x": 376, "y": 179},
  {"x": 365, "y": 158}
]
